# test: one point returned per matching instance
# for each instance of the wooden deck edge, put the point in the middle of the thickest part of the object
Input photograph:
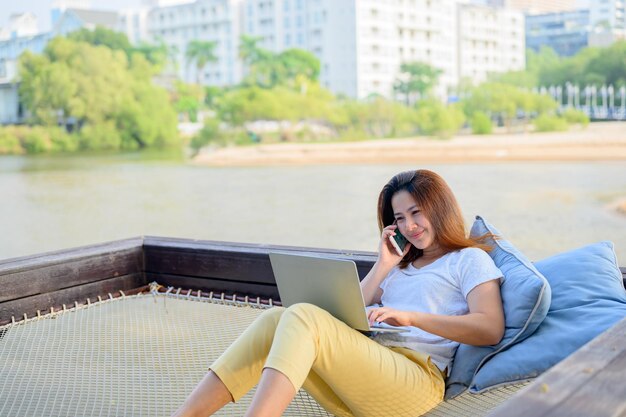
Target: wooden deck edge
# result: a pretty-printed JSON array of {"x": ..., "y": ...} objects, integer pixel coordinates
[
  {"x": 589, "y": 382},
  {"x": 25, "y": 263},
  {"x": 183, "y": 245},
  {"x": 22, "y": 308}
]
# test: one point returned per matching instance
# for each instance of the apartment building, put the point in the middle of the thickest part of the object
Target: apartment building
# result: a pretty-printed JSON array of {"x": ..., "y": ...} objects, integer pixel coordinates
[
  {"x": 19, "y": 25},
  {"x": 609, "y": 16},
  {"x": 565, "y": 32},
  {"x": 134, "y": 23},
  {"x": 360, "y": 43},
  {"x": 490, "y": 40},
  {"x": 601, "y": 24},
  {"x": 218, "y": 21},
  {"x": 10, "y": 110},
  {"x": 535, "y": 6}
]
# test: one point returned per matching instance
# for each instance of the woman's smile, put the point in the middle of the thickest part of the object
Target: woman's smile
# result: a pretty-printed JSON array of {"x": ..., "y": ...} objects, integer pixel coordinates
[{"x": 417, "y": 235}]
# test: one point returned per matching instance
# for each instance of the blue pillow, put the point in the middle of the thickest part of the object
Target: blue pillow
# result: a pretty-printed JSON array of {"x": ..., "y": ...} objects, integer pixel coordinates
[
  {"x": 525, "y": 298},
  {"x": 588, "y": 297}
]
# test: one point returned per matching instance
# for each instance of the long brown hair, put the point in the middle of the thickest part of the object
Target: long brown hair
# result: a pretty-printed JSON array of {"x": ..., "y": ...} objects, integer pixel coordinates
[{"x": 436, "y": 200}]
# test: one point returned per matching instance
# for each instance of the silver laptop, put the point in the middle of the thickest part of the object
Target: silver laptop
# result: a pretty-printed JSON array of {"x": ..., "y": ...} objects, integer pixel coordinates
[{"x": 331, "y": 284}]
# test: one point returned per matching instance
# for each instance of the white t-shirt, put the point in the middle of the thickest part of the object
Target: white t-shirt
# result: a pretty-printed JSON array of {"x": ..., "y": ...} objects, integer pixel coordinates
[{"x": 440, "y": 287}]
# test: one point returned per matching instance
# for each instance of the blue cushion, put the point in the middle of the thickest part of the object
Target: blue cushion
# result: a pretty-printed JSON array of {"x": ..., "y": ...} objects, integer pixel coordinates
[
  {"x": 588, "y": 297},
  {"x": 525, "y": 298}
]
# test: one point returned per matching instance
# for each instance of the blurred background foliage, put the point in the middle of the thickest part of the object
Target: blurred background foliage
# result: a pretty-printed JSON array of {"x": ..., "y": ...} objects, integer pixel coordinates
[{"x": 93, "y": 90}]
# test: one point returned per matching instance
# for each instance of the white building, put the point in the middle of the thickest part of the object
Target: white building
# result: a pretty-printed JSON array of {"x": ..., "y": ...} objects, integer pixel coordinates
[
  {"x": 536, "y": 6},
  {"x": 360, "y": 43},
  {"x": 490, "y": 40},
  {"x": 134, "y": 23},
  {"x": 10, "y": 109},
  {"x": 609, "y": 16},
  {"x": 206, "y": 20},
  {"x": 20, "y": 24}
]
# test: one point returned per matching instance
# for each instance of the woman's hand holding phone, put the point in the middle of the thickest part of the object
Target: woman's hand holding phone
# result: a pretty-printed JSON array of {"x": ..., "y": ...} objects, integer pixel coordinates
[{"x": 389, "y": 254}]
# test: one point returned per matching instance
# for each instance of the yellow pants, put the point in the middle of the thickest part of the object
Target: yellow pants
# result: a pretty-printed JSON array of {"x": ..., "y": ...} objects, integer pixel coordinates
[{"x": 346, "y": 372}]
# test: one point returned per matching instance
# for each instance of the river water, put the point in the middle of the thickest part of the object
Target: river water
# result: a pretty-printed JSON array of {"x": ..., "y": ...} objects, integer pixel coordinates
[{"x": 50, "y": 203}]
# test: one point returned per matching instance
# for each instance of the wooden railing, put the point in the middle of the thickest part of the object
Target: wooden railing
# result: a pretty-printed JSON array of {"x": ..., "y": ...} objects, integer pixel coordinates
[{"x": 588, "y": 383}]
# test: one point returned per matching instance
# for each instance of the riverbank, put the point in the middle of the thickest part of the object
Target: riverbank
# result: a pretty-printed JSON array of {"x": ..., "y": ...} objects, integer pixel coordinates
[{"x": 599, "y": 142}]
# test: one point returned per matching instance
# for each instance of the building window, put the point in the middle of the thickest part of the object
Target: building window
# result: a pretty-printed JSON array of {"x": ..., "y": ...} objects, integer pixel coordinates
[
  {"x": 286, "y": 5},
  {"x": 287, "y": 40},
  {"x": 300, "y": 39},
  {"x": 286, "y": 22}
]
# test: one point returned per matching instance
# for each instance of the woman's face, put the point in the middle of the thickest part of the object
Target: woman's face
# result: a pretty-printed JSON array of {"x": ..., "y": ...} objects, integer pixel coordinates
[{"x": 411, "y": 221}]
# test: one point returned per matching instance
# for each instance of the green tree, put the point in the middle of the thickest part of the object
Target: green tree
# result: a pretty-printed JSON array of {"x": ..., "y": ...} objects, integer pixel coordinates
[
  {"x": 416, "y": 79},
  {"x": 610, "y": 63},
  {"x": 108, "y": 98},
  {"x": 101, "y": 36},
  {"x": 497, "y": 100},
  {"x": 299, "y": 62},
  {"x": 202, "y": 53},
  {"x": 171, "y": 53},
  {"x": 249, "y": 50},
  {"x": 187, "y": 99},
  {"x": 157, "y": 55},
  {"x": 291, "y": 67}
]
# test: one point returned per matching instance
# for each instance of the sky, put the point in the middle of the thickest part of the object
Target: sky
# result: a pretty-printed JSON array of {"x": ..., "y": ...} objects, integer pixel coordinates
[{"x": 41, "y": 8}]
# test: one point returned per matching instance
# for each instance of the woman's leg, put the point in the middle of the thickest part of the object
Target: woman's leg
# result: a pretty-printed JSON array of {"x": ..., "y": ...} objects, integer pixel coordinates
[
  {"x": 207, "y": 397},
  {"x": 367, "y": 378},
  {"x": 272, "y": 396},
  {"x": 237, "y": 370}
]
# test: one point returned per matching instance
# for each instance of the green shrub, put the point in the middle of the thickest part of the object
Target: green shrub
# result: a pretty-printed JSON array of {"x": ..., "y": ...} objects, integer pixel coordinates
[
  {"x": 481, "y": 124},
  {"x": 62, "y": 141},
  {"x": 352, "y": 134},
  {"x": 574, "y": 116},
  {"x": 435, "y": 119},
  {"x": 37, "y": 140},
  {"x": 210, "y": 133},
  {"x": 550, "y": 123},
  {"x": 9, "y": 141},
  {"x": 237, "y": 137},
  {"x": 102, "y": 136}
]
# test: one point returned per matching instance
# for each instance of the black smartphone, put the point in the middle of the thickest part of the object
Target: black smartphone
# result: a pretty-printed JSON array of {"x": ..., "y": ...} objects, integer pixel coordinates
[{"x": 398, "y": 242}]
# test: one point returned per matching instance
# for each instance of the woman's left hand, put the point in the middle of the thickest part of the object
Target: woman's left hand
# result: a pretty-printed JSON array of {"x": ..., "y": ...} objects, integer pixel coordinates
[{"x": 390, "y": 316}]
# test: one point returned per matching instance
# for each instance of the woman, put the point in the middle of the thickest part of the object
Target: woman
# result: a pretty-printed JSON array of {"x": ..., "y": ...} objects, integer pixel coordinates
[{"x": 445, "y": 289}]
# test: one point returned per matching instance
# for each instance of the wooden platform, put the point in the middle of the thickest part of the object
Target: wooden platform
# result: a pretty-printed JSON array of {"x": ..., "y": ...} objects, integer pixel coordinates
[{"x": 588, "y": 383}]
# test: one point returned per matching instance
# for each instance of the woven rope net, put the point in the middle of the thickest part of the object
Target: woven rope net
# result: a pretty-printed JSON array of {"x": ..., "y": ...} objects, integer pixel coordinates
[{"x": 140, "y": 355}]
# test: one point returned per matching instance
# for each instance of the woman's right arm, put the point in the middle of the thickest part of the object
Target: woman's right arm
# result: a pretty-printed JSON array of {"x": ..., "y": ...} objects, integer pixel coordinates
[
  {"x": 370, "y": 286},
  {"x": 387, "y": 260}
]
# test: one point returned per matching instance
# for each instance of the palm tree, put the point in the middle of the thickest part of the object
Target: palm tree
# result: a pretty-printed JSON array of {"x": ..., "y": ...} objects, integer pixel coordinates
[
  {"x": 249, "y": 51},
  {"x": 416, "y": 78},
  {"x": 259, "y": 61},
  {"x": 202, "y": 52}
]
